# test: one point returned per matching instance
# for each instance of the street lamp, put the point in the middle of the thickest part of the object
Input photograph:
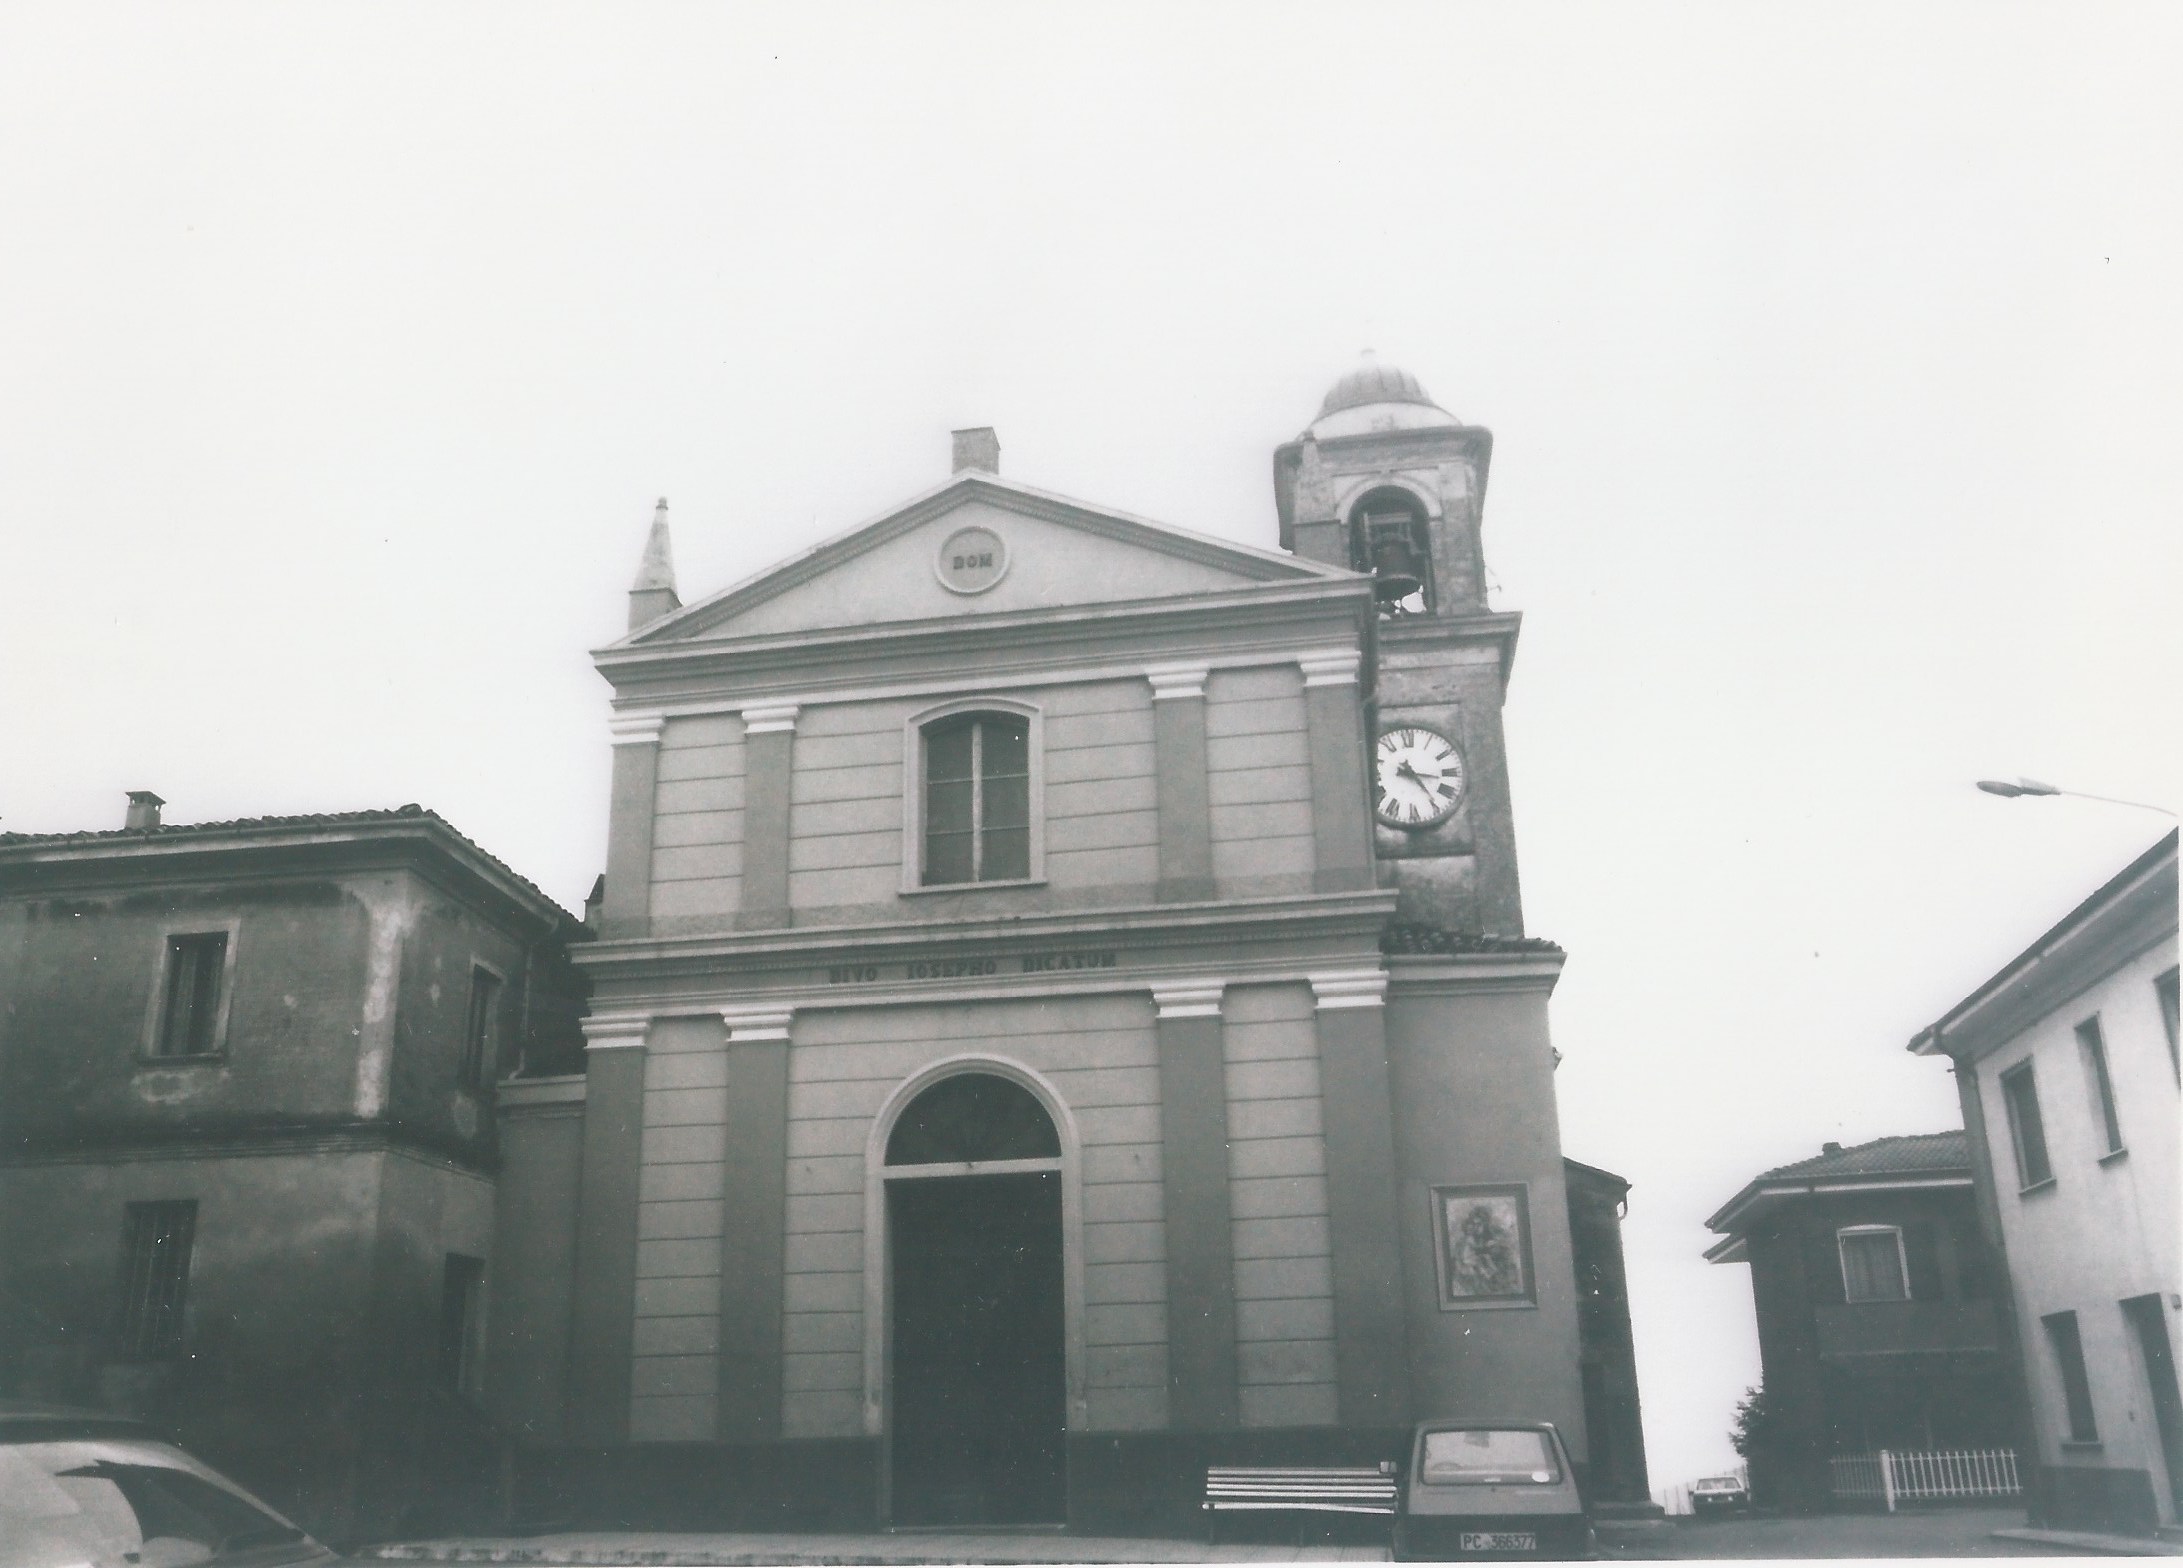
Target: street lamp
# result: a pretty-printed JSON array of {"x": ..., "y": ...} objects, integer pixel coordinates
[{"x": 2023, "y": 786}]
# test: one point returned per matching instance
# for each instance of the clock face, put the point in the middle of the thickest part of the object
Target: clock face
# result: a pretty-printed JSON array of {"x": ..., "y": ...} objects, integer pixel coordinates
[{"x": 1418, "y": 777}]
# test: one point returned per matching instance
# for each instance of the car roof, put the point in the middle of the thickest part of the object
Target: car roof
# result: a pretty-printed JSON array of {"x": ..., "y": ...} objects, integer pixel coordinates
[
  {"x": 21, "y": 1418},
  {"x": 1452, "y": 1424}
]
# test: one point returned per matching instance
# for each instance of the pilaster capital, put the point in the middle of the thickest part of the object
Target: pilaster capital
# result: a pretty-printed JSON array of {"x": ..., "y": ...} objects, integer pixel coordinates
[
  {"x": 756, "y": 1023},
  {"x": 1330, "y": 666},
  {"x": 636, "y": 727},
  {"x": 1170, "y": 681},
  {"x": 616, "y": 1031},
  {"x": 1349, "y": 988},
  {"x": 1189, "y": 998},
  {"x": 772, "y": 719}
]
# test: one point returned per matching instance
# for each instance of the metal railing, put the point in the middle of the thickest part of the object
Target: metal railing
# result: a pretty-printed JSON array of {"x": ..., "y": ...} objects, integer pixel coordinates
[{"x": 1889, "y": 1478}]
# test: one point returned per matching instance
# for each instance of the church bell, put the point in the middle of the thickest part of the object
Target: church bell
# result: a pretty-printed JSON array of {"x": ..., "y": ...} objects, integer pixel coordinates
[{"x": 1398, "y": 568}]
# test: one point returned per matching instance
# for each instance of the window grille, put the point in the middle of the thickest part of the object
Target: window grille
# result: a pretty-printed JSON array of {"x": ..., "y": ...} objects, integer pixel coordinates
[{"x": 156, "y": 1243}]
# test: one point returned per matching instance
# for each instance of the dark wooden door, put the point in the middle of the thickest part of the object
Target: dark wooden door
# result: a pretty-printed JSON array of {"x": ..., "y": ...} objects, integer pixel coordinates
[{"x": 979, "y": 1397}]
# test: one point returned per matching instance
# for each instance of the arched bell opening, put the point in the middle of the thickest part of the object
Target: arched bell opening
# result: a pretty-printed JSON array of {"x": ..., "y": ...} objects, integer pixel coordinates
[
  {"x": 973, "y": 1192},
  {"x": 1390, "y": 537}
]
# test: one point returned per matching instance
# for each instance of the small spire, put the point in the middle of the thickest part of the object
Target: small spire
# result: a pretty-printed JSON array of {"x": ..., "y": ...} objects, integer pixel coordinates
[
  {"x": 658, "y": 570},
  {"x": 652, "y": 595}
]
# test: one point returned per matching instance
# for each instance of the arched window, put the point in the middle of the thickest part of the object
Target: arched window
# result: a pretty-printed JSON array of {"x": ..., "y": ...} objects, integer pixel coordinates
[
  {"x": 1391, "y": 538},
  {"x": 977, "y": 799},
  {"x": 973, "y": 1116}
]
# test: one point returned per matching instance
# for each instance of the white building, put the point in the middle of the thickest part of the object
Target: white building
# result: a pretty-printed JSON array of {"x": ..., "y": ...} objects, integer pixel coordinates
[{"x": 2067, "y": 1065}]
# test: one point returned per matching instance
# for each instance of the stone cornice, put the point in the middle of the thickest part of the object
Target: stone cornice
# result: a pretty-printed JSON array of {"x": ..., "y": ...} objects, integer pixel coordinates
[
  {"x": 1276, "y": 618},
  {"x": 1254, "y": 939},
  {"x": 1497, "y": 627},
  {"x": 246, "y": 853},
  {"x": 1444, "y": 974},
  {"x": 108, "y": 1145}
]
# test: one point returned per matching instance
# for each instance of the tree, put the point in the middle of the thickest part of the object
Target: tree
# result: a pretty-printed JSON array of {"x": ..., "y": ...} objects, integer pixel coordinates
[{"x": 1758, "y": 1428}]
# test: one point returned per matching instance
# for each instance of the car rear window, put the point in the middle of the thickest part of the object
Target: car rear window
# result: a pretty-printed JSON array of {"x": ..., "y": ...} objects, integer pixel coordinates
[
  {"x": 1489, "y": 1456},
  {"x": 109, "y": 1500}
]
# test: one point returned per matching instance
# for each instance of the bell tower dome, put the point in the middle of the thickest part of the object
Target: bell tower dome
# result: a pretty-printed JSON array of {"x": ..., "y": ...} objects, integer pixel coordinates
[{"x": 1387, "y": 482}]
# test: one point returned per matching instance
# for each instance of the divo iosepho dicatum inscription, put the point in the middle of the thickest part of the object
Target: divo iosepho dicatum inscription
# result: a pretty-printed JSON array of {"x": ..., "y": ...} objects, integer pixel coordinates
[{"x": 967, "y": 968}]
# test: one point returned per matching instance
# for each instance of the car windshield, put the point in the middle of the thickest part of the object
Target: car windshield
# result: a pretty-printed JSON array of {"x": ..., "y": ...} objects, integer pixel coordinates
[
  {"x": 1489, "y": 1456},
  {"x": 1720, "y": 1483},
  {"x": 127, "y": 1503}
]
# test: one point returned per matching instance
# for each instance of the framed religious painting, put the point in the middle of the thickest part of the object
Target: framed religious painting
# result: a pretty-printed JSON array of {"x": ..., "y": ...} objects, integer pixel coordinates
[{"x": 1482, "y": 1242}]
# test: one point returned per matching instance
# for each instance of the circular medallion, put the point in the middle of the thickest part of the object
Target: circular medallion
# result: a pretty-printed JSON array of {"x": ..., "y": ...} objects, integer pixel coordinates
[
  {"x": 971, "y": 560},
  {"x": 1417, "y": 777}
]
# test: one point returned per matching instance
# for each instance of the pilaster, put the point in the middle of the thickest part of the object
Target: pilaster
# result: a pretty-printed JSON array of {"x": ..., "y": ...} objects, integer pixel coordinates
[
  {"x": 628, "y": 906},
  {"x": 1371, "y": 1350},
  {"x": 769, "y": 736},
  {"x": 753, "y": 1229},
  {"x": 1201, "y": 1307},
  {"x": 603, "y": 1306},
  {"x": 1341, "y": 793},
  {"x": 1183, "y": 787}
]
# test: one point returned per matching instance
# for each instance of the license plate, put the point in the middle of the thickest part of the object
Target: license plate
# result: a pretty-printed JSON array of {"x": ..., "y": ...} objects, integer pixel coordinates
[{"x": 1498, "y": 1541}]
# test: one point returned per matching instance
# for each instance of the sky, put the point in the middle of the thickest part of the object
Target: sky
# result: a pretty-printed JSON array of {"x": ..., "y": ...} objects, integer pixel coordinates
[{"x": 1830, "y": 351}]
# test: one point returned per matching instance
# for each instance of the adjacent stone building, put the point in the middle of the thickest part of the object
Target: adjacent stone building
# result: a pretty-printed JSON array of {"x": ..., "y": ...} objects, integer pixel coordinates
[
  {"x": 1062, "y": 1014},
  {"x": 1878, "y": 1310},
  {"x": 248, "y": 1140},
  {"x": 2067, "y": 1065}
]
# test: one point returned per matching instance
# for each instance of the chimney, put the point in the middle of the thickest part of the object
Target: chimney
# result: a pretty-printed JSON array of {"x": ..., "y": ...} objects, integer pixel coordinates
[
  {"x": 652, "y": 595},
  {"x": 143, "y": 810},
  {"x": 977, "y": 448},
  {"x": 1830, "y": 1148}
]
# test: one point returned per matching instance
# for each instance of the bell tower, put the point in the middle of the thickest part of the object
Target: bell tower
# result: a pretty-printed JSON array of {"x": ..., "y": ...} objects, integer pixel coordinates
[{"x": 1387, "y": 482}]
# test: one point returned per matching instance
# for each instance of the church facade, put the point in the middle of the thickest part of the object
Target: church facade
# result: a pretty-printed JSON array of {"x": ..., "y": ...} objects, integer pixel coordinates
[{"x": 1061, "y": 1016}]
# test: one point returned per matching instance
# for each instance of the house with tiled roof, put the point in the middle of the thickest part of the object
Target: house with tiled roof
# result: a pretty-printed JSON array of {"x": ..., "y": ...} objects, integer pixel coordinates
[
  {"x": 1877, "y": 1315},
  {"x": 2068, "y": 1068},
  {"x": 249, "y": 1142}
]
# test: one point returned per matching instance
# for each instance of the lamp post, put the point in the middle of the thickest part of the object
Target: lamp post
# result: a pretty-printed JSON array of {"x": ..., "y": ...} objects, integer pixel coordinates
[{"x": 2023, "y": 786}]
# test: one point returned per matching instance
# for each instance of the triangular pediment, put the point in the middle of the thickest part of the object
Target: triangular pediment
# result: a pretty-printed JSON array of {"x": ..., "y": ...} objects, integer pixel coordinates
[{"x": 977, "y": 545}]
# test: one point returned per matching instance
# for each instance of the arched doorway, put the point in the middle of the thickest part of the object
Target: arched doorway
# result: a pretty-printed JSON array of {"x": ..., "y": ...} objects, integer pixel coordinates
[{"x": 977, "y": 1364}]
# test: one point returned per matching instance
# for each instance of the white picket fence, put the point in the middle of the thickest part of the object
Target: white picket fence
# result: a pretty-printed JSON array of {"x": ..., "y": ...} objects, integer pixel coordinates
[{"x": 1889, "y": 1478}]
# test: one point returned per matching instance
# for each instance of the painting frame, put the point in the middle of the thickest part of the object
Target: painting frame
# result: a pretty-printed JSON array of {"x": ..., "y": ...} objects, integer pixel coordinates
[{"x": 1494, "y": 1269}]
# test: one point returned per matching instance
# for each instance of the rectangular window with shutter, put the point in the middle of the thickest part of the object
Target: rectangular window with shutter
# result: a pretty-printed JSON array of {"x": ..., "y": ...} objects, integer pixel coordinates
[
  {"x": 2068, "y": 1350},
  {"x": 481, "y": 1028},
  {"x": 2169, "y": 988},
  {"x": 2092, "y": 1047},
  {"x": 189, "y": 1011},
  {"x": 1873, "y": 1267},
  {"x": 2027, "y": 1130},
  {"x": 462, "y": 1323}
]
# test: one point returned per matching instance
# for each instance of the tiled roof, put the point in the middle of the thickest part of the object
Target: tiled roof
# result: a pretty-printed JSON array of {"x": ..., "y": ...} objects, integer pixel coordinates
[
  {"x": 1407, "y": 937},
  {"x": 169, "y": 832},
  {"x": 1905, "y": 1155}
]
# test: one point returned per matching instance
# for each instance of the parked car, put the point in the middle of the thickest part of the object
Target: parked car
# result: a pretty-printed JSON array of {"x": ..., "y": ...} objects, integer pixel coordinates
[
  {"x": 1482, "y": 1490},
  {"x": 1719, "y": 1494},
  {"x": 80, "y": 1489}
]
